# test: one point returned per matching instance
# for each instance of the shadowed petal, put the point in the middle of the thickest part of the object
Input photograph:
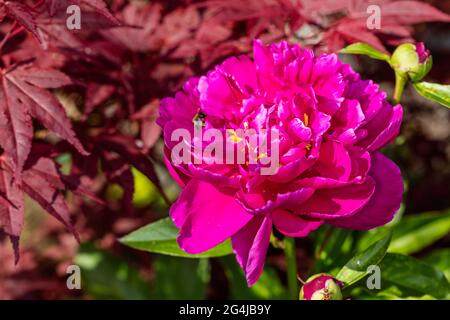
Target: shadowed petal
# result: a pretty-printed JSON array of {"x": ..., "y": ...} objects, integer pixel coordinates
[
  {"x": 255, "y": 203},
  {"x": 334, "y": 161},
  {"x": 179, "y": 177},
  {"x": 293, "y": 225},
  {"x": 383, "y": 128},
  {"x": 250, "y": 246},
  {"x": 340, "y": 202},
  {"x": 385, "y": 201}
]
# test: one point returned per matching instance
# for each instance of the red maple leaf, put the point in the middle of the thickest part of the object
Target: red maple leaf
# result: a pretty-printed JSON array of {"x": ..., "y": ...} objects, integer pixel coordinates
[
  {"x": 142, "y": 22},
  {"x": 22, "y": 14},
  {"x": 98, "y": 6},
  {"x": 42, "y": 182},
  {"x": 329, "y": 24},
  {"x": 346, "y": 21},
  {"x": 23, "y": 96}
]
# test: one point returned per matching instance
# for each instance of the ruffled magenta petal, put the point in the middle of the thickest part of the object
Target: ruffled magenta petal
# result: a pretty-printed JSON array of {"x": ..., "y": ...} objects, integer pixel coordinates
[
  {"x": 182, "y": 107},
  {"x": 250, "y": 246},
  {"x": 349, "y": 115},
  {"x": 208, "y": 216},
  {"x": 256, "y": 203},
  {"x": 221, "y": 176},
  {"x": 383, "y": 128},
  {"x": 223, "y": 89},
  {"x": 334, "y": 161},
  {"x": 179, "y": 179},
  {"x": 293, "y": 225},
  {"x": 241, "y": 71},
  {"x": 385, "y": 201},
  {"x": 339, "y": 202}
]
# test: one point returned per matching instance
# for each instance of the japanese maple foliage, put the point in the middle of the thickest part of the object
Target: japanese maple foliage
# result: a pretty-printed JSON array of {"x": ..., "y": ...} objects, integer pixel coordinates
[
  {"x": 24, "y": 96},
  {"x": 126, "y": 56},
  {"x": 328, "y": 24}
]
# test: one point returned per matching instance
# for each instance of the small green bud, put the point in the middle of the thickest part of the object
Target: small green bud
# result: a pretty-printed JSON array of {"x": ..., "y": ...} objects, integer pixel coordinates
[
  {"x": 321, "y": 286},
  {"x": 412, "y": 60}
]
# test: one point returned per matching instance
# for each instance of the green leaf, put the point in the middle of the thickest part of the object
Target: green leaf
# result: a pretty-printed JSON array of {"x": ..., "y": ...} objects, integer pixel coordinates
[
  {"x": 412, "y": 233},
  {"x": 389, "y": 292},
  {"x": 105, "y": 276},
  {"x": 365, "y": 49},
  {"x": 180, "y": 279},
  {"x": 268, "y": 286},
  {"x": 356, "y": 268},
  {"x": 333, "y": 247},
  {"x": 439, "y": 93},
  {"x": 415, "y": 275},
  {"x": 160, "y": 237},
  {"x": 417, "y": 232},
  {"x": 440, "y": 259}
]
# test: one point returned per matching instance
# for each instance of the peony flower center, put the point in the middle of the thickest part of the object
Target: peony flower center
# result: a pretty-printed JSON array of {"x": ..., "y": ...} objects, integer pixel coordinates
[{"x": 232, "y": 135}]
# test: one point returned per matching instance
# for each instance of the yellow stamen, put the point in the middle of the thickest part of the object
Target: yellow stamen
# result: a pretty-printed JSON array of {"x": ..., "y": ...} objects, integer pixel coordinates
[
  {"x": 306, "y": 119},
  {"x": 233, "y": 136}
]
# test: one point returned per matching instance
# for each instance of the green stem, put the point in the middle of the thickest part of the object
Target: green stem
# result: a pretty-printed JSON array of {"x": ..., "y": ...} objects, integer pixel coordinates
[
  {"x": 291, "y": 259},
  {"x": 400, "y": 82}
]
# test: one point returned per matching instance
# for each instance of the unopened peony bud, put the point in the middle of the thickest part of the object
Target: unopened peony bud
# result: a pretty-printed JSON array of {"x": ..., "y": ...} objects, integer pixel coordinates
[
  {"x": 321, "y": 287},
  {"x": 412, "y": 60}
]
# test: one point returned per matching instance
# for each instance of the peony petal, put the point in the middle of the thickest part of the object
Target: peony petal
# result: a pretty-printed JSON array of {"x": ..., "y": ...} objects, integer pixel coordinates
[
  {"x": 180, "y": 178},
  {"x": 208, "y": 216},
  {"x": 241, "y": 71},
  {"x": 360, "y": 162},
  {"x": 326, "y": 78},
  {"x": 334, "y": 161},
  {"x": 325, "y": 183},
  {"x": 173, "y": 135},
  {"x": 255, "y": 203},
  {"x": 340, "y": 202},
  {"x": 179, "y": 211},
  {"x": 290, "y": 171},
  {"x": 223, "y": 89},
  {"x": 294, "y": 154},
  {"x": 182, "y": 107},
  {"x": 293, "y": 225},
  {"x": 347, "y": 137},
  {"x": 299, "y": 130},
  {"x": 349, "y": 115},
  {"x": 320, "y": 123},
  {"x": 250, "y": 246},
  {"x": 383, "y": 128},
  {"x": 222, "y": 174},
  {"x": 217, "y": 98},
  {"x": 385, "y": 201}
]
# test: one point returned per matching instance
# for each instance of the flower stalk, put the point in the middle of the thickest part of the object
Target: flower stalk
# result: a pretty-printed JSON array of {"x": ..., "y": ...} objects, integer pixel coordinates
[
  {"x": 400, "y": 83},
  {"x": 291, "y": 259}
]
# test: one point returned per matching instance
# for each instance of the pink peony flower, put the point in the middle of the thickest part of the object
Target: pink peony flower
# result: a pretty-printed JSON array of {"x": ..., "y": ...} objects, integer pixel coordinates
[{"x": 331, "y": 127}]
